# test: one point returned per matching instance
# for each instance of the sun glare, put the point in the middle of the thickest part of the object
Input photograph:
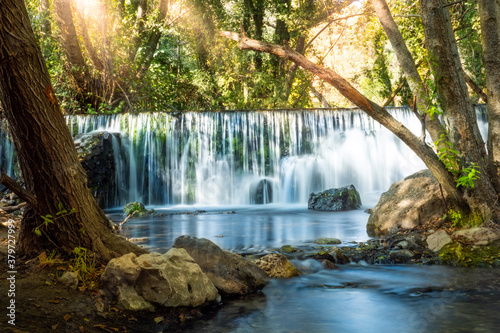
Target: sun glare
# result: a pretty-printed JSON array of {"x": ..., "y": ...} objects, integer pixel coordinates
[{"x": 89, "y": 7}]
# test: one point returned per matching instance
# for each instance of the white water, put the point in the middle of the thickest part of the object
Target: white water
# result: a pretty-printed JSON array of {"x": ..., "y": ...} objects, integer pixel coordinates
[{"x": 218, "y": 158}]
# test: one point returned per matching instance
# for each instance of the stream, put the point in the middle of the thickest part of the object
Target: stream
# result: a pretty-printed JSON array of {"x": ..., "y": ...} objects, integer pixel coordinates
[{"x": 355, "y": 298}]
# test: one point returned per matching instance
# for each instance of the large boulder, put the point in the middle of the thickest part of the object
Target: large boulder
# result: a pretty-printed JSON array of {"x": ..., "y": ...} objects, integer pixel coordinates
[
  {"x": 95, "y": 152},
  {"x": 410, "y": 202},
  {"x": 172, "y": 279},
  {"x": 276, "y": 265},
  {"x": 336, "y": 199},
  {"x": 231, "y": 273}
]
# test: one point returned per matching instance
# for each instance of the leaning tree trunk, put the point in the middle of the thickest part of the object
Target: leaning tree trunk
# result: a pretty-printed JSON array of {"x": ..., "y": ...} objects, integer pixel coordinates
[
  {"x": 458, "y": 112},
  {"x": 54, "y": 178},
  {"x": 407, "y": 64}
]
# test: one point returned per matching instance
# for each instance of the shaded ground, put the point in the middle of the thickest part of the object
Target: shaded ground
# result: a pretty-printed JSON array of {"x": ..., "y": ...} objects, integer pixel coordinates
[{"x": 43, "y": 304}]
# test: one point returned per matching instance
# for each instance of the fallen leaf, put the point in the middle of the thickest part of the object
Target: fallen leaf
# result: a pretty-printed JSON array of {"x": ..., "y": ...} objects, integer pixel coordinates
[
  {"x": 48, "y": 283},
  {"x": 132, "y": 318},
  {"x": 60, "y": 268},
  {"x": 114, "y": 309},
  {"x": 54, "y": 300},
  {"x": 66, "y": 317},
  {"x": 36, "y": 305},
  {"x": 54, "y": 327},
  {"x": 158, "y": 319}
]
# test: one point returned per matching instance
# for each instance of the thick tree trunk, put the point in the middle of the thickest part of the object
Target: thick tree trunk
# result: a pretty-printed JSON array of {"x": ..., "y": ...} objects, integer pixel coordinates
[
  {"x": 489, "y": 11},
  {"x": 47, "y": 157},
  {"x": 458, "y": 111},
  {"x": 407, "y": 64},
  {"x": 373, "y": 110}
]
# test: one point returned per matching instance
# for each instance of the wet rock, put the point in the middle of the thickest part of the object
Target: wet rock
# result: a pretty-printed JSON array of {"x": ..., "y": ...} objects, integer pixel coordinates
[
  {"x": 327, "y": 240},
  {"x": 412, "y": 201},
  {"x": 401, "y": 255},
  {"x": 438, "y": 240},
  {"x": 232, "y": 274},
  {"x": 338, "y": 257},
  {"x": 136, "y": 209},
  {"x": 171, "y": 280},
  {"x": 287, "y": 249},
  {"x": 335, "y": 199},
  {"x": 327, "y": 264},
  {"x": 95, "y": 152},
  {"x": 261, "y": 192},
  {"x": 477, "y": 236},
  {"x": 276, "y": 265}
]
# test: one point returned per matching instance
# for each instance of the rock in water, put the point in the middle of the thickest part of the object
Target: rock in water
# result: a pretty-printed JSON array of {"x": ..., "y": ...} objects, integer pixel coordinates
[
  {"x": 231, "y": 273},
  {"x": 137, "y": 209},
  {"x": 261, "y": 192},
  {"x": 277, "y": 265},
  {"x": 335, "y": 199},
  {"x": 171, "y": 280},
  {"x": 412, "y": 201}
]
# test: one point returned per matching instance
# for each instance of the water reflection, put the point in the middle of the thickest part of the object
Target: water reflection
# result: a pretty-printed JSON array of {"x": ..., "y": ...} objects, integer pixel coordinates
[{"x": 252, "y": 228}]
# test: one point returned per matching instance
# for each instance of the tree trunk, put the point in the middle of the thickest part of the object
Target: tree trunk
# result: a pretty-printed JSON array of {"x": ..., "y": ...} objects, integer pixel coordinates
[
  {"x": 77, "y": 66},
  {"x": 489, "y": 11},
  {"x": 373, "y": 110},
  {"x": 462, "y": 128},
  {"x": 407, "y": 64},
  {"x": 47, "y": 157}
]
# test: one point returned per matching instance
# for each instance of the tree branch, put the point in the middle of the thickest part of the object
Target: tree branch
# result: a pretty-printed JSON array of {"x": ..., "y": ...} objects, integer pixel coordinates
[
  {"x": 20, "y": 191},
  {"x": 378, "y": 113}
]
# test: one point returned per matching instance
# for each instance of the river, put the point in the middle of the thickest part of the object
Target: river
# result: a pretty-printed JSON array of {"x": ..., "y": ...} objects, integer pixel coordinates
[{"x": 355, "y": 298}]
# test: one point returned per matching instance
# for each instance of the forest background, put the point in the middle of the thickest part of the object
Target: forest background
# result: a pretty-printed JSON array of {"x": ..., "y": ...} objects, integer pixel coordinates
[{"x": 111, "y": 56}]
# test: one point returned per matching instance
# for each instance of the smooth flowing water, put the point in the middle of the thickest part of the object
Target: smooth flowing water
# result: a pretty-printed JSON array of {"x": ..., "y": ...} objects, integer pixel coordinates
[{"x": 235, "y": 158}]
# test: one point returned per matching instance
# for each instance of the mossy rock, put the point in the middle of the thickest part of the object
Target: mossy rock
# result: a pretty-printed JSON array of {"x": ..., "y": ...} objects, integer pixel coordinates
[
  {"x": 137, "y": 209},
  {"x": 458, "y": 254}
]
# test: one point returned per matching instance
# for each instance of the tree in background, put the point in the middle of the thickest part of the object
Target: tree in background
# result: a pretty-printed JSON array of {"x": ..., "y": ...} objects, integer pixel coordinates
[
  {"x": 62, "y": 213},
  {"x": 467, "y": 172}
]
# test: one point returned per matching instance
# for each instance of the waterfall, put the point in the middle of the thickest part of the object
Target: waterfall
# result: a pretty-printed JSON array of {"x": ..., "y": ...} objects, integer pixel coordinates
[{"x": 238, "y": 157}]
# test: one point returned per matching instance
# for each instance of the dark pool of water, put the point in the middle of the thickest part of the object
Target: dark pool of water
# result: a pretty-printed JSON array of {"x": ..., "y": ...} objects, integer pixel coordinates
[{"x": 354, "y": 298}]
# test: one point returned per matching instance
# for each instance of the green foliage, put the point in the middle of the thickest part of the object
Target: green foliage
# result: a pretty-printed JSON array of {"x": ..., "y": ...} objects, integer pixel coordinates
[
  {"x": 468, "y": 176},
  {"x": 454, "y": 216},
  {"x": 84, "y": 264},
  {"x": 447, "y": 155},
  {"x": 49, "y": 219}
]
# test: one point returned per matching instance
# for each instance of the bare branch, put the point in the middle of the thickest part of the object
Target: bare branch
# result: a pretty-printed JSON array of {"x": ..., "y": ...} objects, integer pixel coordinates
[{"x": 20, "y": 191}]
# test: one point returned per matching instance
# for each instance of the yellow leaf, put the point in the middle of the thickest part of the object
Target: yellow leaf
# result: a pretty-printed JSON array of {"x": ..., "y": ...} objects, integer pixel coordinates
[
  {"x": 66, "y": 317},
  {"x": 158, "y": 319}
]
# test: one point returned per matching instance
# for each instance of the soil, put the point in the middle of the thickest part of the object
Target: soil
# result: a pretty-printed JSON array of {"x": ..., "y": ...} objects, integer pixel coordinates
[{"x": 44, "y": 304}]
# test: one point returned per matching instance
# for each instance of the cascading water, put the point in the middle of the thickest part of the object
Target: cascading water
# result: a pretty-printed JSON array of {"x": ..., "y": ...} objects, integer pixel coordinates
[{"x": 228, "y": 158}]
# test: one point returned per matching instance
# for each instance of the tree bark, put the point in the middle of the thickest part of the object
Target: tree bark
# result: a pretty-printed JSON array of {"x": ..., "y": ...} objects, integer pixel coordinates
[
  {"x": 373, "y": 110},
  {"x": 47, "y": 156},
  {"x": 489, "y": 11},
  {"x": 473, "y": 85},
  {"x": 458, "y": 111},
  {"x": 407, "y": 64}
]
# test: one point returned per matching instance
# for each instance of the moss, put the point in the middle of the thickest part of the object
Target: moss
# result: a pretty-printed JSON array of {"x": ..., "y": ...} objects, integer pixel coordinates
[{"x": 458, "y": 254}]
